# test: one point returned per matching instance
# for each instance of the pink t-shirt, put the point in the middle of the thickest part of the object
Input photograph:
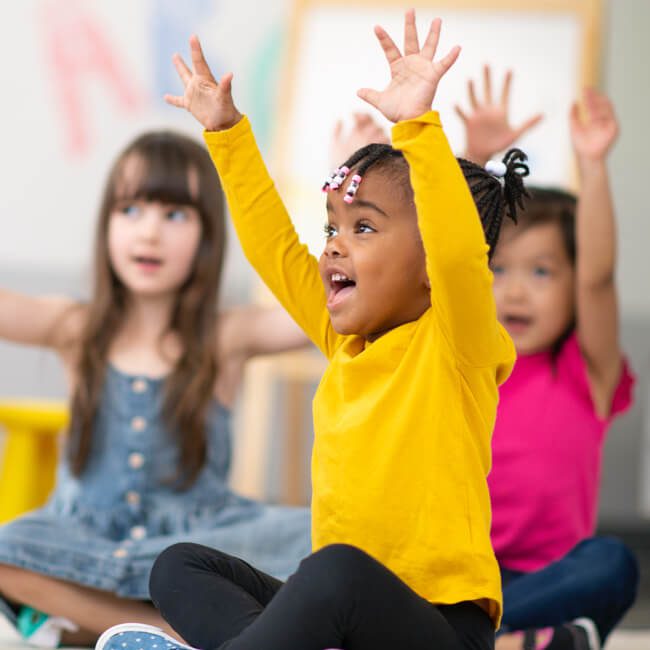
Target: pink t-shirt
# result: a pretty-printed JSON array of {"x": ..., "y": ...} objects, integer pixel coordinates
[{"x": 547, "y": 449}]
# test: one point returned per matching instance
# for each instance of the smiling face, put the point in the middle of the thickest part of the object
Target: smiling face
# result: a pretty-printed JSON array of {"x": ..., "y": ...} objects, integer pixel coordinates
[
  {"x": 152, "y": 244},
  {"x": 533, "y": 285},
  {"x": 373, "y": 265}
]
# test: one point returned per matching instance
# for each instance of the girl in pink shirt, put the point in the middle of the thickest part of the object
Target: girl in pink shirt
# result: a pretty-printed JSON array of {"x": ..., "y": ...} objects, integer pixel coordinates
[{"x": 555, "y": 294}]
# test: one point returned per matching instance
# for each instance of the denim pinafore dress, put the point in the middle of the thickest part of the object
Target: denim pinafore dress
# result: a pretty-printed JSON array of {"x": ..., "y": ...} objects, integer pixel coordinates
[{"x": 105, "y": 528}]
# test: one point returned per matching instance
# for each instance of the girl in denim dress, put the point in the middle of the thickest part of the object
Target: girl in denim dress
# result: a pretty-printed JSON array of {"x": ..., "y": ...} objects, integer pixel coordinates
[{"x": 152, "y": 373}]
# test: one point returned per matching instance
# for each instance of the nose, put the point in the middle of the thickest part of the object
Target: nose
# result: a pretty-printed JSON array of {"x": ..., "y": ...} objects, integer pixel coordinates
[
  {"x": 336, "y": 246},
  {"x": 150, "y": 225},
  {"x": 514, "y": 288}
]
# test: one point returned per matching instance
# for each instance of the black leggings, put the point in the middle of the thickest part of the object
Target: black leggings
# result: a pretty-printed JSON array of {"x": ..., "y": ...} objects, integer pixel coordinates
[{"x": 339, "y": 597}]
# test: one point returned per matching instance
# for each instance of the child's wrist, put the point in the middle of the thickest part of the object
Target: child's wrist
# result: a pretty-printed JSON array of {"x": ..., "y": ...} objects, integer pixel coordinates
[
  {"x": 223, "y": 124},
  {"x": 478, "y": 157},
  {"x": 590, "y": 166}
]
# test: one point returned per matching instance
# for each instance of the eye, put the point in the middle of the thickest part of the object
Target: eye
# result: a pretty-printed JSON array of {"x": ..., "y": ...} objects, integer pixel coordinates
[
  {"x": 498, "y": 269},
  {"x": 365, "y": 228},
  {"x": 541, "y": 272},
  {"x": 177, "y": 214},
  {"x": 330, "y": 230},
  {"x": 130, "y": 210}
]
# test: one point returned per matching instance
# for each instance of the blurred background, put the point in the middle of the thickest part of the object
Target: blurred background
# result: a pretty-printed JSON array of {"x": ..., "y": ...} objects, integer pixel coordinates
[{"x": 81, "y": 78}]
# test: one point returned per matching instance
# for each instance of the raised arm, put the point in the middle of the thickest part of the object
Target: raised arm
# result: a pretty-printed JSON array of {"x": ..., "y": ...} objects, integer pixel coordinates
[
  {"x": 453, "y": 239},
  {"x": 44, "y": 321},
  {"x": 487, "y": 123},
  {"x": 265, "y": 230},
  {"x": 593, "y": 133}
]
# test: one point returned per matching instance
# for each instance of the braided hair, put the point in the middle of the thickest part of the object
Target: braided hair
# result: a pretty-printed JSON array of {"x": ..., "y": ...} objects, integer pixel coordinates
[{"x": 494, "y": 199}]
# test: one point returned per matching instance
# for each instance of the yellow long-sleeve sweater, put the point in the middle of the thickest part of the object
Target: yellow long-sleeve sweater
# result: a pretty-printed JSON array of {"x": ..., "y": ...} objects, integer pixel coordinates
[{"x": 402, "y": 425}]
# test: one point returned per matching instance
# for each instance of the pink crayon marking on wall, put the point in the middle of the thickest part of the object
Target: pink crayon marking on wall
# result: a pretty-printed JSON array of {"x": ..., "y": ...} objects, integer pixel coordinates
[{"x": 78, "y": 52}]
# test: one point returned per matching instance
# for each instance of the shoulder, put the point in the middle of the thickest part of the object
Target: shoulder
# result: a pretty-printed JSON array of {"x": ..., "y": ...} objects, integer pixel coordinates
[
  {"x": 66, "y": 320},
  {"x": 605, "y": 401}
]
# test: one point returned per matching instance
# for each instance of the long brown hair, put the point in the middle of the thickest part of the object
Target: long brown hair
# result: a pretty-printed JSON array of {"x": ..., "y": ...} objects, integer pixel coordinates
[{"x": 169, "y": 161}]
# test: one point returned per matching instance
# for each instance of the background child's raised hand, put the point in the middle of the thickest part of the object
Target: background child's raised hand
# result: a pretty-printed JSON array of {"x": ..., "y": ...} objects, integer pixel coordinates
[
  {"x": 208, "y": 100},
  {"x": 594, "y": 131},
  {"x": 414, "y": 74},
  {"x": 487, "y": 125},
  {"x": 364, "y": 131}
]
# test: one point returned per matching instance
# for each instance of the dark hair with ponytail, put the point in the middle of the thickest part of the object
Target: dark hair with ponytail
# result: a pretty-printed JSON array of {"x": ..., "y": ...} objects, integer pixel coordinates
[{"x": 494, "y": 198}]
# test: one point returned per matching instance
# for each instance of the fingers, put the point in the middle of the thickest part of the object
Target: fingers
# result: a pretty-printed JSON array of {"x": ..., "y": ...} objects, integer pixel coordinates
[
  {"x": 183, "y": 71},
  {"x": 528, "y": 124},
  {"x": 598, "y": 105},
  {"x": 226, "y": 83},
  {"x": 431, "y": 42},
  {"x": 369, "y": 95},
  {"x": 388, "y": 45},
  {"x": 446, "y": 62},
  {"x": 460, "y": 113},
  {"x": 175, "y": 100},
  {"x": 505, "y": 91},
  {"x": 472, "y": 95},
  {"x": 487, "y": 84},
  {"x": 574, "y": 116},
  {"x": 362, "y": 120},
  {"x": 198, "y": 59},
  {"x": 411, "y": 45}
]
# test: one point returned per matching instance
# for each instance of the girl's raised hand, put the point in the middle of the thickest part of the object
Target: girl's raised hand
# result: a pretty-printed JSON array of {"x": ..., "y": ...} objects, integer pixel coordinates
[
  {"x": 208, "y": 100},
  {"x": 414, "y": 74},
  {"x": 364, "y": 130},
  {"x": 487, "y": 126},
  {"x": 595, "y": 131}
]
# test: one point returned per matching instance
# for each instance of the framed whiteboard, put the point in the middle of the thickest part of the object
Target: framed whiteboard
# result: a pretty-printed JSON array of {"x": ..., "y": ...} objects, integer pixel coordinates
[{"x": 551, "y": 46}]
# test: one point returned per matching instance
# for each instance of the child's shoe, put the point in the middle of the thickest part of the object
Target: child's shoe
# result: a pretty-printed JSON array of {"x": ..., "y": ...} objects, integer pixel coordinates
[
  {"x": 138, "y": 636},
  {"x": 580, "y": 634},
  {"x": 39, "y": 629}
]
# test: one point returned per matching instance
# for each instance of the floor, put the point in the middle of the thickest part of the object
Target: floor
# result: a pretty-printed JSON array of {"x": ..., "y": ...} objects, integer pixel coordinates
[{"x": 621, "y": 640}]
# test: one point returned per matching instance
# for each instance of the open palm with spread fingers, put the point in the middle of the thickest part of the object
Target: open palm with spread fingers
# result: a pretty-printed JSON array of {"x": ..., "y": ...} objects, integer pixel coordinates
[
  {"x": 414, "y": 74},
  {"x": 487, "y": 124},
  {"x": 209, "y": 100},
  {"x": 594, "y": 132}
]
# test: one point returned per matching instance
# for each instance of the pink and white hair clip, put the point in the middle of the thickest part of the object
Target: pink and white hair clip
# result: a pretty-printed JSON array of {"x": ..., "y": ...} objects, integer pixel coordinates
[{"x": 352, "y": 188}]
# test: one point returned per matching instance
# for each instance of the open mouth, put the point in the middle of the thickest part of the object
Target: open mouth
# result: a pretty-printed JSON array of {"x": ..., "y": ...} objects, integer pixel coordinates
[
  {"x": 515, "y": 323},
  {"x": 341, "y": 286},
  {"x": 147, "y": 262}
]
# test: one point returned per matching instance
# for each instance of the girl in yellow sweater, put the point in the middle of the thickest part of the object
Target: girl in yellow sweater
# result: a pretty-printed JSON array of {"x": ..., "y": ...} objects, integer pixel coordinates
[{"x": 401, "y": 304}]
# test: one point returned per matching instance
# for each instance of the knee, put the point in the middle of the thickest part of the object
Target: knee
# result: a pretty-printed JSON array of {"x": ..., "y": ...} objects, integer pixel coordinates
[
  {"x": 624, "y": 568},
  {"x": 168, "y": 569},
  {"x": 617, "y": 568},
  {"x": 339, "y": 566}
]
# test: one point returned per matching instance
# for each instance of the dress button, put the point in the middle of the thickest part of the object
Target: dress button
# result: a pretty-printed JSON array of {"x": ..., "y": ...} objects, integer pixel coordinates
[
  {"x": 138, "y": 532},
  {"x": 136, "y": 460},
  {"x": 120, "y": 553},
  {"x": 139, "y": 385},
  {"x": 138, "y": 423},
  {"x": 133, "y": 498}
]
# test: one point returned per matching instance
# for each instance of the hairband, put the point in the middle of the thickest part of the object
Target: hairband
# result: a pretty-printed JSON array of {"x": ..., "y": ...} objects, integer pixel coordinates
[{"x": 496, "y": 168}]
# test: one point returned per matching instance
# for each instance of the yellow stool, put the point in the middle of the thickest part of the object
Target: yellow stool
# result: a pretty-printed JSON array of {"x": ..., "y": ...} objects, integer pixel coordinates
[{"x": 28, "y": 461}]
